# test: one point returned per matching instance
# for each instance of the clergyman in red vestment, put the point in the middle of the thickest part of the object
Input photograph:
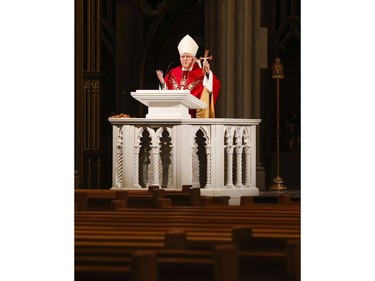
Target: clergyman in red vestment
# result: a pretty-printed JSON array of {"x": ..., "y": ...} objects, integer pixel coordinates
[{"x": 200, "y": 81}]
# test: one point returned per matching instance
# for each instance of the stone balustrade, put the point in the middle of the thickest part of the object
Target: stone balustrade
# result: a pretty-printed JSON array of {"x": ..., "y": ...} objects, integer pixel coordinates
[{"x": 217, "y": 155}]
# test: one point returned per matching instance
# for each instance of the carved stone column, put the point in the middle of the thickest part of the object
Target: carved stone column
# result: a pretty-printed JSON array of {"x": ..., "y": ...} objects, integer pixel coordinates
[
  {"x": 240, "y": 51},
  {"x": 89, "y": 151}
]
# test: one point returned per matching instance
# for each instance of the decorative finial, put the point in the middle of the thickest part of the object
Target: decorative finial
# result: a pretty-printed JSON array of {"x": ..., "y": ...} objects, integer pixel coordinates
[{"x": 277, "y": 69}]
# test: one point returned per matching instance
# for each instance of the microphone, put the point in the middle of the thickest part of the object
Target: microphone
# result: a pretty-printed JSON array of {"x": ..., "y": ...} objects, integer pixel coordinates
[
  {"x": 169, "y": 66},
  {"x": 165, "y": 73}
]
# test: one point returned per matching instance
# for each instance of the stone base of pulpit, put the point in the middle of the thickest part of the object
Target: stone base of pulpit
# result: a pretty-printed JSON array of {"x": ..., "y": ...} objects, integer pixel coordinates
[
  {"x": 218, "y": 155},
  {"x": 234, "y": 193}
]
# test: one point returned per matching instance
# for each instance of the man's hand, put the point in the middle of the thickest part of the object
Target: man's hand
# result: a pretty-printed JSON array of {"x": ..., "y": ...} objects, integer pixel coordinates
[{"x": 159, "y": 74}]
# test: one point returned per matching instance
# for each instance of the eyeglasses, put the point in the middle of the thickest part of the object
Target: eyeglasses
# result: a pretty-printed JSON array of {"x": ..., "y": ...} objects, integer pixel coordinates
[{"x": 185, "y": 56}]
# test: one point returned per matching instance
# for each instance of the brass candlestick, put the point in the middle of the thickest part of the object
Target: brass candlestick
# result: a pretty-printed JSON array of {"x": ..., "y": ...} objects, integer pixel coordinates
[{"x": 277, "y": 73}]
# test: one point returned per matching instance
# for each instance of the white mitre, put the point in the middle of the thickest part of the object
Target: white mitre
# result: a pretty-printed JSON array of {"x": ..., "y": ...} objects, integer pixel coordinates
[{"x": 187, "y": 45}]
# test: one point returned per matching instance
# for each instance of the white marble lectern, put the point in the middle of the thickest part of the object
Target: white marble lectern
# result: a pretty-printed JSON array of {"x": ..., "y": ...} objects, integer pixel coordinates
[
  {"x": 170, "y": 149},
  {"x": 168, "y": 103}
]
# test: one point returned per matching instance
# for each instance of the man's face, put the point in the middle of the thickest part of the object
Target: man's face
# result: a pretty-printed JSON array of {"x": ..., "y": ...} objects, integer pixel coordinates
[{"x": 187, "y": 60}]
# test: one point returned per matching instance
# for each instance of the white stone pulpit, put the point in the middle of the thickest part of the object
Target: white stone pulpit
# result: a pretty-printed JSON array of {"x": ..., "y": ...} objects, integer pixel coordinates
[
  {"x": 168, "y": 103},
  {"x": 170, "y": 149}
]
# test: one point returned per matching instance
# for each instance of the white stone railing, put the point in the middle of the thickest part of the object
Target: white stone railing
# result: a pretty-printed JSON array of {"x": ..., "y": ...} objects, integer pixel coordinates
[{"x": 218, "y": 155}]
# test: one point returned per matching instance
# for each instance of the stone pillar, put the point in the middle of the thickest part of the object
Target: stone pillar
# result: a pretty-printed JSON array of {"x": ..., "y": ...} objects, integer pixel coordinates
[{"x": 240, "y": 51}]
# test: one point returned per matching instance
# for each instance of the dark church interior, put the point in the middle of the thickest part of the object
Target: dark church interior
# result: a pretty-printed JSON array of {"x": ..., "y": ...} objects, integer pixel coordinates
[{"x": 162, "y": 235}]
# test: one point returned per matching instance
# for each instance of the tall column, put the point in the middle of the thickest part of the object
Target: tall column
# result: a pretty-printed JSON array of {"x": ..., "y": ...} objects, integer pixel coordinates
[
  {"x": 239, "y": 55},
  {"x": 259, "y": 55}
]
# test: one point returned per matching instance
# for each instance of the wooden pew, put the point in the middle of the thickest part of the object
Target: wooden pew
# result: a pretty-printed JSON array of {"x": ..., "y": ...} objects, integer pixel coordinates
[
  {"x": 266, "y": 222},
  {"x": 197, "y": 233},
  {"x": 138, "y": 266},
  {"x": 105, "y": 199},
  {"x": 283, "y": 198},
  {"x": 206, "y": 228},
  {"x": 155, "y": 197},
  {"x": 162, "y": 265},
  {"x": 267, "y": 265}
]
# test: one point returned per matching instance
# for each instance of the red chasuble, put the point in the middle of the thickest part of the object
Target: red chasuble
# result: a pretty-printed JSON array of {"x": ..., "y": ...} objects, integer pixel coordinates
[{"x": 178, "y": 79}]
